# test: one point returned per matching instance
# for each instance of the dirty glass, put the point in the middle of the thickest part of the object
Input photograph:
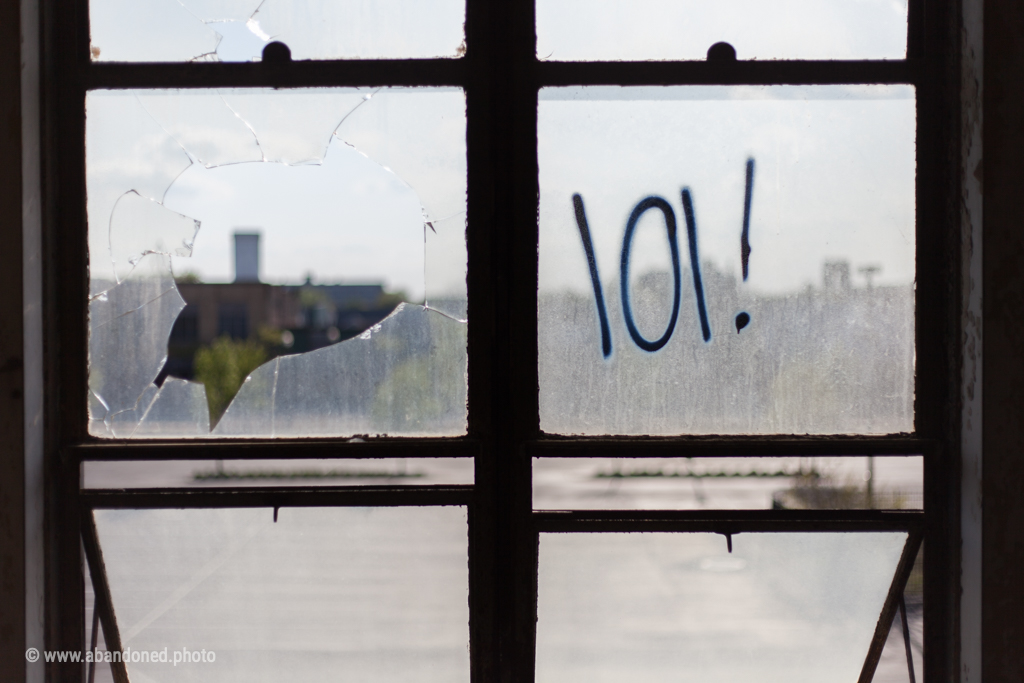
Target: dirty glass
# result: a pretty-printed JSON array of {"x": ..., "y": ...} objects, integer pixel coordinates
[
  {"x": 781, "y": 607},
  {"x": 238, "y": 30},
  {"x": 787, "y": 483},
  {"x": 277, "y": 262},
  {"x": 362, "y": 594},
  {"x": 576, "y": 30},
  {"x": 294, "y": 472},
  {"x": 727, "y": 259}
]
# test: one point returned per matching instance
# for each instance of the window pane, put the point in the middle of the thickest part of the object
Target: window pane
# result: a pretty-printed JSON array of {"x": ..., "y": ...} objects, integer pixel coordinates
[
  {"x": 277, "y": 262},
  {"x": 571, "y": 30},
  {"x": 364, "y": 594},
  {"x": 785, "y": 607},
  {"x": 250, "y": 473},
  {"x": 767, "y": 239},
  {"x": 237, "y": 30},
  {"x": 819, "y": 483}
]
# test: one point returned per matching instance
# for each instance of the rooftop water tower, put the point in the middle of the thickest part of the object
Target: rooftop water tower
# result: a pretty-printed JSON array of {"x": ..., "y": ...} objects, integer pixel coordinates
[{"x": 247, "y": 257}]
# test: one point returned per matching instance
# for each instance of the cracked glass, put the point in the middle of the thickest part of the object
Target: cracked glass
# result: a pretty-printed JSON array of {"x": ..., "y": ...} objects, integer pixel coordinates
[
  {"x": 727, "y": 259},
  {"x": 577, "y": 30},
  {"x": 780, "y": 607},
  {"x": 238, "y": 30},
  {"x": 277, "y": 262}
]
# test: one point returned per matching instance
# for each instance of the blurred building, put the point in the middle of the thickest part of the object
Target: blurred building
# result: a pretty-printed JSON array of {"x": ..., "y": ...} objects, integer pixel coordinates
[{"x": 286, "y": 318}]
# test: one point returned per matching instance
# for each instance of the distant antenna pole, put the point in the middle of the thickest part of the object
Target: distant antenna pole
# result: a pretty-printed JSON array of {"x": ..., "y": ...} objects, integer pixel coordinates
[
  {"x": 869, "y": 273},
  {"x": 871, "y": 482}
]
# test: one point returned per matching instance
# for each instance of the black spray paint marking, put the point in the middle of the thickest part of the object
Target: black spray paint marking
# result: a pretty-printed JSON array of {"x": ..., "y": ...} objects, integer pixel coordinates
[
  {"x": 742, "y": 319},
  {"x": 627, "y": 240},
  {"x": 595, "y": 280},
  {"x": 698, "y": 283},
  {"x": 745, "y": 236}
]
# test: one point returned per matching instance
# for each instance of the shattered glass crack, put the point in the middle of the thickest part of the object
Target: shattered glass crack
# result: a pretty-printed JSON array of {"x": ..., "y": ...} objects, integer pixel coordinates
[{"x": 237, "y": 30}]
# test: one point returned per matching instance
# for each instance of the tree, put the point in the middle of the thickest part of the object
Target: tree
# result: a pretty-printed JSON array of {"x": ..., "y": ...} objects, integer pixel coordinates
[{"x": 223, "y": 367}]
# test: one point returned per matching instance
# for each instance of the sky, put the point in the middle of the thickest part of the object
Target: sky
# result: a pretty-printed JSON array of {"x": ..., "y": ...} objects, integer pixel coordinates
[
  {"x": 180, "y": 30},
  {"x": 834, "y": 173},
  {"x": 684, "y": 29},
  {"x": 173, "y": 30},
  {"x": 833, "y": 181},
  {"x": 346, "y": 185},
  {"x": 328, "y": 220}
]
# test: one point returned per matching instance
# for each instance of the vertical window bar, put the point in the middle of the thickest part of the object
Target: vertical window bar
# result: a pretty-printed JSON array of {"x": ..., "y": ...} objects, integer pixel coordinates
[{"x": 915, "y": 30}]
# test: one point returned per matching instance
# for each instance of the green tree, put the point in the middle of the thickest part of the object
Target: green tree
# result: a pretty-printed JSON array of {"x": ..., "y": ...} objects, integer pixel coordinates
[
  {"x": 188, "y": 277},
  {"x": 222, "y": 367},
  {"x": 391, "y": 299}
]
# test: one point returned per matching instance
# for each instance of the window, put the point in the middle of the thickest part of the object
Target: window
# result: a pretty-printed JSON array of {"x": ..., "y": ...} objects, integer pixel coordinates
[
  {"x": 233, "y": 321},
  {"x": 682, "y": 265}
]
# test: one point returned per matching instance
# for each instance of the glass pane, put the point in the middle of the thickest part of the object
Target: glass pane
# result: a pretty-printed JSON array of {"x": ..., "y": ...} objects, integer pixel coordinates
[
  {"x": 238, "y": 30},
  {"x": 892, "y": 666},
  {"x": 572, "y": 30},
  {"x": 277, "y": 262},
  {"x": 249, "y": 473},
  {"x": 819, "y": 483},
  {"x": 727, "y": 260},
  {"x": 96, "y": 645},
  {"x": 353, "y": 593},
  {"x": 656, "y": 607},
  {"x": 895, "y": 652}
]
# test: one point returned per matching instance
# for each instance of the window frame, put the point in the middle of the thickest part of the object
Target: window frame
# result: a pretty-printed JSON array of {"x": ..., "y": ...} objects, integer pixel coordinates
[{"x": 501, "y": 76}]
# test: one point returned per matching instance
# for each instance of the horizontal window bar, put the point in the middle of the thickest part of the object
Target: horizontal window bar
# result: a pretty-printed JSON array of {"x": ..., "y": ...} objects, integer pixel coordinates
[
  {"x": 716, "y": 447},
  {"x": 282, "y": 449},
  {"x": 726, "y": 521},
  {"x": 456, "y": 72},
  {"x": 734, "y": 73},
  {"x": 404, "y": 72},
  {"x": 327, "y": 496}
]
